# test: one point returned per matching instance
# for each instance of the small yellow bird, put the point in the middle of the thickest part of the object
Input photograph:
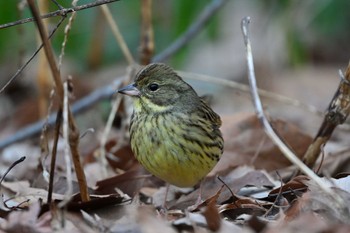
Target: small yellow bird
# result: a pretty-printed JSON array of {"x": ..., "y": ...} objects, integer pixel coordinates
[{"x": 174, "y": 134}]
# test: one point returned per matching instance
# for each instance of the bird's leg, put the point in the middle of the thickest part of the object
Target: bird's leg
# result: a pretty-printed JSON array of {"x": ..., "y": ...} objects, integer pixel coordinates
[
  {"x": 163, "y": 209},
  {"x": 199, "y": 199}
]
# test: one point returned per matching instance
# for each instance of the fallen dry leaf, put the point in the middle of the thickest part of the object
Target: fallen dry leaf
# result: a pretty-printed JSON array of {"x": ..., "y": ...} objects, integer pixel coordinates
[
  {"x": 26, "y": 221},
  {"x": 247, "y": 144},
  {"x": 212, "y": 215}
]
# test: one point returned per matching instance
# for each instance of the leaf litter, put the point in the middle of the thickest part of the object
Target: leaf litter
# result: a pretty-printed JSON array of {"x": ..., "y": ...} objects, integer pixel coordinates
[{"x": 242, "y": 194}]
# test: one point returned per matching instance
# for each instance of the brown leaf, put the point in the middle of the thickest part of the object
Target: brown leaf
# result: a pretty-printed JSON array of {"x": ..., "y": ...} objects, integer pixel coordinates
[
  {"x": 247, "y": 144},
  {"x": 241, "y": 206},
  {"x": 309, "y": 222},
  {"x": 23, "y": 191},
  {"x": 212, "y": 215},
  {"x": 122, "y": 158},
  {"x": 26, "y": 221},
  {"x": 292, "y": 189},
  {"x": 236, "y": 180},
  {"x": 96, "y": 201},
  {"x": 129, "y": 182}
]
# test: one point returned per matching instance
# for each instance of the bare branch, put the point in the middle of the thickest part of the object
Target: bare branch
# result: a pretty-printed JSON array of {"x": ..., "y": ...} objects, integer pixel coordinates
[
  {"x": 67, "y": 151},
  {"x": 338, "y": 111},
  {"x": 261, "y": 115},
  {"x": 61, "y": 12},
  {"x": 192, "y": 31},
  {"x": 67, "y": 29},
  {"x": 117, "y": 34},
  {"x": 81, "y": 105},
  {"x": 19, "y": 71},
  {"x": 74, "y": 132},
  {"x": 147, "y": 37},
  {"x": 54, "y": 155}
]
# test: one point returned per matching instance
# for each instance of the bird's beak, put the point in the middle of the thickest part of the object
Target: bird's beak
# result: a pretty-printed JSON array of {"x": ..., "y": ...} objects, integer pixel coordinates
[{"x": 130, "y": 90}]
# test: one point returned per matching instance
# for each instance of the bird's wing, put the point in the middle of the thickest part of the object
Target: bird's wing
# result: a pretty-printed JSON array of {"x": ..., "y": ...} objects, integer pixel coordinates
[{"x": 209, "y": 114}]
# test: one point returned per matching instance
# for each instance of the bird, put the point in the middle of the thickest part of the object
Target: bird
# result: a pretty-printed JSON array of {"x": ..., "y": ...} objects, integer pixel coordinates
[{"x": 174, "y": 133}]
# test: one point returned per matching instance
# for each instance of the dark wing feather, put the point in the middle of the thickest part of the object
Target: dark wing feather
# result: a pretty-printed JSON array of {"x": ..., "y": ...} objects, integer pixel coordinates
[{"x": 209, "y": 114}]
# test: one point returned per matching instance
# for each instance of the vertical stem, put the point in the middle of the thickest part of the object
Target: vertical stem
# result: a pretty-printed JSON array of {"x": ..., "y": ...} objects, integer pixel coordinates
[
  {"x": 147, "y": 37},
  {"x": 54, "y": 153},
  {"x": 74, "y": 136}
]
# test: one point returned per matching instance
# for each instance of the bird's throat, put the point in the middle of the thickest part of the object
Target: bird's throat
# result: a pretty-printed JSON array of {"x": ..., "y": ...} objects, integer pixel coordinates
[{"x": 145, "y": 105}]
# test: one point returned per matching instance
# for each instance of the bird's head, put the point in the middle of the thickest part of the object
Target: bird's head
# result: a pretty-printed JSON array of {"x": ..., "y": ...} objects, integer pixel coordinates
[{"x": 158, "y": 88}]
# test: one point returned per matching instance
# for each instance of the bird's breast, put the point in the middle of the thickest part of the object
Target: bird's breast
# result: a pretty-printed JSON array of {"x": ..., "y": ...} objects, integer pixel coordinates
[{"x": 174, "y": 148}]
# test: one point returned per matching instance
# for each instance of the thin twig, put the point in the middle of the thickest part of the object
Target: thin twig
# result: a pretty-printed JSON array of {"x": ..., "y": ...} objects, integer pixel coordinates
[
  {"x": 108, "y": 126},
  {"x": 192, "y": 31},
  {"x": 245, "y": 88},
  {"x": 279, "y": 195},
  {"x": 66, "y": 33},
  {"x": 20, "y": 160},
  {"x": 107, "y": 129},
  {"x": 19, "y": 71},
  {"x": 44, "y": 140},
  {"x": 118, "y": 36},
  {"x": 61, "y": 12},
  {"x": 74, "y": 137},
  {"x": 53, "y": 155},
  {"x": 44, "y": 83},
  {"x": 67, "y": 152},
  {"x": 147, "y": 37},
  {"x": 74, "y": 133},
  {"x": 47, "y": 48},
  {"x": 18, "y": 206},
  {"x": 86, "y": 102},
  {"x": 260, "y": 113}
]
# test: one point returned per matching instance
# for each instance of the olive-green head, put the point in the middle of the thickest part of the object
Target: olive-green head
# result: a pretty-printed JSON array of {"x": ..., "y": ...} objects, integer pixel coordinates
[{"x": 157, "y": 87}]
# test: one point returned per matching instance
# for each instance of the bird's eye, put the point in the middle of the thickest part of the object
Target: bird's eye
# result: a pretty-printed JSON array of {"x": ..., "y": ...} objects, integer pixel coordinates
[{"x": 153, "y": 87}]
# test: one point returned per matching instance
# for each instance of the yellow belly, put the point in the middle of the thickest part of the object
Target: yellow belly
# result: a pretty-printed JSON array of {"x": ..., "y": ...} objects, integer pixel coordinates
[{"x": 160, "y": 145}]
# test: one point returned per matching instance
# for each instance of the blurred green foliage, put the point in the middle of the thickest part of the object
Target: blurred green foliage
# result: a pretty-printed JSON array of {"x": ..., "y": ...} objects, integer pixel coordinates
[
  {"x": 171, "y": 19},
  {"x": 323, "y": 21}
]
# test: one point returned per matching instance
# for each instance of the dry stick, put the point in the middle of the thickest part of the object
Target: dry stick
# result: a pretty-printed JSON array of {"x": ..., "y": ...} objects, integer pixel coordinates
[
  {"x": 54, "y": 154},
  {"x": 59, "y": 119},
  {"x": 74, "y": 137},
  {"x": 245, "y": 88},
  {"x": 44, "y": 82},
  {"x": 18, "y": 72},
  {"x": 192, "y": 31},
  {"x": 66, "y": 139},
  {"x": 61, "y": 12},
  {"x": 115, "y": 105},
  {"x": 20, "y": 160},
  {"x": 260, "y": 113},
  {"x": 44, "y": 143},
  {"x": 66, "y": 33},
  {"x": 47, "y": 48},
  {"x": 338, "y": 111},
  {"x": 147, "y": 37},
  {"x": 118, "y": 36},
  {"x": 20, "y": 6},
  {"x": 104, "y": 137},
  {"x": 86, "y": 102}
]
